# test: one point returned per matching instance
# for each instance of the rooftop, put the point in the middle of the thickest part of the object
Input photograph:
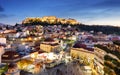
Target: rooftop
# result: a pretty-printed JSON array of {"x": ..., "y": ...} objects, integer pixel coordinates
[
  {"x": 49, "y": 40},
  {"x": 79, "y": 45},
  {"x": 10, "y": 55}
]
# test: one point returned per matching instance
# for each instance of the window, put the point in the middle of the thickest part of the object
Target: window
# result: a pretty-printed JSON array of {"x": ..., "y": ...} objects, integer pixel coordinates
[
  {"x": 16, "y": 55},
  {"x": 5, "y": 55}
]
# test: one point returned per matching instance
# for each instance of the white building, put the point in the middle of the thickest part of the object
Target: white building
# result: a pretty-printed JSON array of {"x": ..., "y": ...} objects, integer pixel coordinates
[
  {"x": 1, "y": 52},
  {"x": 3, "y": 40}
]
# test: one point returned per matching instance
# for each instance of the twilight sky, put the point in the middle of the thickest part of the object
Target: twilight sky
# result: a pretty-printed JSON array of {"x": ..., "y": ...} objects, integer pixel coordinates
[{"x": 105, "y": 12}]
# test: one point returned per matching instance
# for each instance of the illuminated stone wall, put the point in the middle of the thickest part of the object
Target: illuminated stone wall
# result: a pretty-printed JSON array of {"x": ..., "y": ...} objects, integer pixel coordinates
[
  {"x": 48, "y": 48},
  {"x": 85, "y": 55},
  {"x": 50, "y": 20}
]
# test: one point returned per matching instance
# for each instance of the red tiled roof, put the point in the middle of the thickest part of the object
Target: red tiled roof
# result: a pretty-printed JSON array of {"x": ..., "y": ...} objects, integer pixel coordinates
[
  {"x": 9, "y": 31},
  {"x": 115, "y": 38},
  {"x": 10, "y": 55},
  {"x": 40, "y": 51},
  {"x": 54, "y": 44},
  {"x": 90, "y": 49},
  {"x": 49, "y": 40},
  {"x": 4, "y": 45},
  {"x": 78, "y": 45}
]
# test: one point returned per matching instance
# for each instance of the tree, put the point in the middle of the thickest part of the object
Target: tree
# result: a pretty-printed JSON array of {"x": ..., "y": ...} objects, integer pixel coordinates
[{"x": 24, "y": 63}]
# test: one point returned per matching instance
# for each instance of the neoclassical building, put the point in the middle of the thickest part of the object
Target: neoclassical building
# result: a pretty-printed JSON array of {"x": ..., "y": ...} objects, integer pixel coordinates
[
  {"x": 82, "y": 52},
  {"x": 49, "y": 45}
]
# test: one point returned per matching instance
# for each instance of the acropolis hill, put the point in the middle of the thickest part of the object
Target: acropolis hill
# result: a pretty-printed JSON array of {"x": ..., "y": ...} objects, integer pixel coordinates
[{"x": 49, "y": 20}]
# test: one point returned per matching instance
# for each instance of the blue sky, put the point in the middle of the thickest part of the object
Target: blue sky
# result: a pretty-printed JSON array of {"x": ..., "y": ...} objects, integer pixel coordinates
[{"x": 105, "y": 12}]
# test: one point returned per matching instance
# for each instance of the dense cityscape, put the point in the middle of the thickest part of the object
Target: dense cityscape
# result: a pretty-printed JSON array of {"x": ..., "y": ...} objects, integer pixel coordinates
[
  {"x": 28, "y": 49},
  {"x": 59, "y": 37}
]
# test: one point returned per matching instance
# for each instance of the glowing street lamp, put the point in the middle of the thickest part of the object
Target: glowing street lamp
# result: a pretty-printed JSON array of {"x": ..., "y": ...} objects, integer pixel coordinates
[
  {"x": 39, "y": 37},
  {"x": 22, "y": 39},
  {"x": 34, "y": 55},
  {"x": 35, "y": 39},
  {"x": 23, "y": 43},
  {"x": 29, "y": 38}
]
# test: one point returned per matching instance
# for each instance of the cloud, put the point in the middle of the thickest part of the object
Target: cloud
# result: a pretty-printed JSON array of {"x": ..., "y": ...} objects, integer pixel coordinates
[
  {"x": 109, "y": 4},
  {"x": 98, "y": 10},
  {"x": 1, "y": 9},
  {"x": 5, "y": 16}
]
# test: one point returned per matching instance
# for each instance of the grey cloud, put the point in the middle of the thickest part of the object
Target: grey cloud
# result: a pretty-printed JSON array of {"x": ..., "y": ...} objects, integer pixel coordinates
[
  {"x": 1, "y": 9},
  {"x": 5, "y": 16},
  {"x": 109, "y": 4}
]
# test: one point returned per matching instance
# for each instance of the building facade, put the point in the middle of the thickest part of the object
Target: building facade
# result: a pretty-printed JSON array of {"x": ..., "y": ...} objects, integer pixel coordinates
[
  {"x": 49, "y": 47},
  {"x": 85, "y": 55},
  {"x": 99, "y": 60}
]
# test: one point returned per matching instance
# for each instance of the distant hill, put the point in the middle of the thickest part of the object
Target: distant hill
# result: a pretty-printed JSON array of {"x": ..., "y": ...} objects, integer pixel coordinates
[
  {"x": 52, "y": 20},
  {"x": 49, "y": 20},
  {"x": 1, "y": 24},
  {"x": 98, "y": 28}
]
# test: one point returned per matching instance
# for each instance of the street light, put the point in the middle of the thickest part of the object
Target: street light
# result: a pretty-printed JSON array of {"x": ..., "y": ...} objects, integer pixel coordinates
[
  {"x": 23, "y": 43},
  {"x": 29, "y": 38},
  {"x": 34, "y": 55},
  {"x": 35, "y": 39},
  {"x": 22, "y": 39}
]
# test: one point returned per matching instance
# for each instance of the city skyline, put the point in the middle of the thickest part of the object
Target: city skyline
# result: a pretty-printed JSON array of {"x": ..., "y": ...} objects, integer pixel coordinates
[{"x": 102, "y": 12}]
